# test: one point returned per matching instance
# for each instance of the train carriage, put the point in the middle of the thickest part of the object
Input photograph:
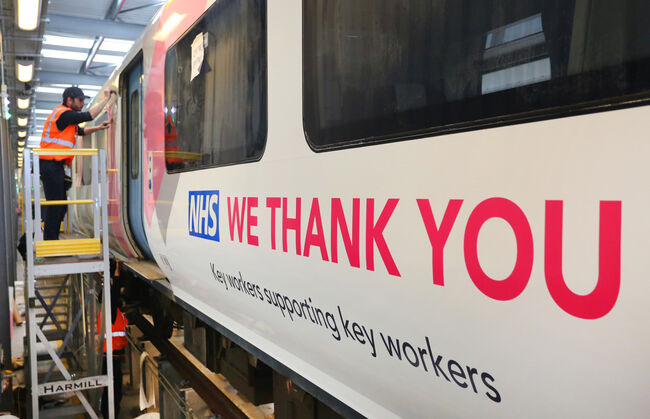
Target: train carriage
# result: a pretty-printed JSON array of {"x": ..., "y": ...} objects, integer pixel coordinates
[{"x": 420, "y": 208}]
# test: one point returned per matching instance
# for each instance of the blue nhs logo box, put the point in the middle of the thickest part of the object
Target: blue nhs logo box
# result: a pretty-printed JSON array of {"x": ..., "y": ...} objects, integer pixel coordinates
[{"x": 203, "y": 217}]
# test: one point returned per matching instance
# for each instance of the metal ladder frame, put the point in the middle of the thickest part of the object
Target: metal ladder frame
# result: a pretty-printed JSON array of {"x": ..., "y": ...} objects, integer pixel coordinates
[{"x": 34, "y": 236}]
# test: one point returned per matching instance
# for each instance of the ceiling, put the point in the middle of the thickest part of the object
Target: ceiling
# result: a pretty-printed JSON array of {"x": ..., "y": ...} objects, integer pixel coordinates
[{"x": 77, "y": 42}]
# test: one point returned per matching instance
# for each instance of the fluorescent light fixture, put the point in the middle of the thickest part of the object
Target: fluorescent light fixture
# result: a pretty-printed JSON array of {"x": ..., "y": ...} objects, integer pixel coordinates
[
  {"x": 64, "y": 55},
  {"x": 24, "y": 71},
  {"x": 519, "y": 75},
  {"x": 108, "y": 59},
  {"x": 68, "y": 41},
  {"x": 22, "y": 103},
  {"x": 47, "y": 89},
  {"x": 28, "y": 14},
  {"x": 33, "y": 142},
  {"x": 42, "y": 111},
  {"x": 22, "y": 122},
  {"x": 22, "y": 134},
  {"x": 116, "y": 45},
  {"x": 90, "y": 87}
]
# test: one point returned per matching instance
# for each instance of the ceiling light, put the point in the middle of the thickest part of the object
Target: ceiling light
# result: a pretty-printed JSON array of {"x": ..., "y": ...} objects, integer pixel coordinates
[
  {"x": 24, "y": 71},
  {"x": 22, "y": 122},
  {"x": 64, "y": 55},
  {"x": 42, "y": 111},
  {"x": 116, "y": 45},
  {"x": 68, "y": 41},
  {"x": 22, "y": 103},
  {"x": 109, "y": 59},
  {"x": 89, "y": 87},
  {"x": 28, "y": 14},
  {"x": 46, "y": 89},
  {"x": 22, "y": 134},
  {"x": 33, "y": 141}
]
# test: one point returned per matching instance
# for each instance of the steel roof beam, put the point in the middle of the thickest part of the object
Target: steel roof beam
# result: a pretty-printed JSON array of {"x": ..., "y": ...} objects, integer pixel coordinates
[{"x": 94, "y": 27}]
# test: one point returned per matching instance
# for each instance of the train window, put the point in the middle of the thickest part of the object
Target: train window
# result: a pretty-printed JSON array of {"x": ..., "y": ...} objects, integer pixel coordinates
[
  {"x": 95, "y": 140},
  {"x": 99, "y": 137},
  {"x": 378, "y": 70},
  {"x": 135, "y": 134},
  {"x": 215, "y": 89}
]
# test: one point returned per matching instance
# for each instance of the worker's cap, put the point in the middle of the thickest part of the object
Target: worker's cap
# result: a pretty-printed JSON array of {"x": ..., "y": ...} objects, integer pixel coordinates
[{"x": 74, "y": 92}]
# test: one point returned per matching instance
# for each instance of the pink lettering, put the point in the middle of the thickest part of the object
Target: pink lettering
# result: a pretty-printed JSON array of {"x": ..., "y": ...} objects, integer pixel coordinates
[
  {"x": 317, "y": 239},
  {"x": 251, "y": 222},
  {"x": 273, "y": 203},
  {"x": 602, "y": 299},
  {"x": 350, "y": 241},
  {"x": 375, "y": 235},
  {"x": 290, "y": 224},
  {"x": 514, "y": 284},
  {"x": 238, "y": 219},
  {"x": 438, "y": 237}
]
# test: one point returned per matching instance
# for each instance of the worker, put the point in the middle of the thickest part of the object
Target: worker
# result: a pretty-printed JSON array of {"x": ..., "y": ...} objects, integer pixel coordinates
[
  {"x": 118, "y": 338},
  {"x": 60, "y": 132},
  {"x": 171, "y": 145}
]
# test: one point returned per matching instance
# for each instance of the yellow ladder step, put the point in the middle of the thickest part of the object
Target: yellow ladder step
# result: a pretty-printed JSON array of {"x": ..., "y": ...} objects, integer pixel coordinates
[{"x": 48, "y": 248}]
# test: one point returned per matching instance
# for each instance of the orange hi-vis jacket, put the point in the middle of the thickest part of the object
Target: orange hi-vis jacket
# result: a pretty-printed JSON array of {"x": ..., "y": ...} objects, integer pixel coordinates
[
  {"x": 118, "y": 332},
  {"x": 53, "y": 138}
]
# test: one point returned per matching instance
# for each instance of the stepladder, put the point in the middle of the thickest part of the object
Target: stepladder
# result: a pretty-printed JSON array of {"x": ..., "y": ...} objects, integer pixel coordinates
[{"x": 62, "y": 279}]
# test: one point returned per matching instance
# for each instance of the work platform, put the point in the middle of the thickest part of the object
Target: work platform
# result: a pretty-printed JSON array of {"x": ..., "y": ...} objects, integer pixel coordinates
[{"x": 62, "y": 280}]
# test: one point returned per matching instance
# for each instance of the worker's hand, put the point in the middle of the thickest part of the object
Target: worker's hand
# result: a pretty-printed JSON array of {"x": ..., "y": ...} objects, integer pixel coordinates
[
  {"x": 104, "y": 125},
  {"x": 110, "y": 91}
]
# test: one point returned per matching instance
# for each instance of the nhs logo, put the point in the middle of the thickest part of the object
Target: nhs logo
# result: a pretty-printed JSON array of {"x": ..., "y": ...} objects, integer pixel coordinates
[{"x": 203, "y": 217}]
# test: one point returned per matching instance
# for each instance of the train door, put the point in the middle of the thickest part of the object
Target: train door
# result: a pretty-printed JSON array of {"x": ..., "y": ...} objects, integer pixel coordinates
[{"x": 133, "y": 113}]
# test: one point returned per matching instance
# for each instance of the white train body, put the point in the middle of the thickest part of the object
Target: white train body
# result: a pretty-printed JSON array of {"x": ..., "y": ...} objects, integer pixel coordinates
[{"x": 493, "y": 272}]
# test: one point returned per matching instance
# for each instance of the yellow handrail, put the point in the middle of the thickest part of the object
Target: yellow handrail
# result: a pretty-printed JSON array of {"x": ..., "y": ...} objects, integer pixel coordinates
[
  {"x": 66, "y": 151},
  {"x": 67, "y": 202}
]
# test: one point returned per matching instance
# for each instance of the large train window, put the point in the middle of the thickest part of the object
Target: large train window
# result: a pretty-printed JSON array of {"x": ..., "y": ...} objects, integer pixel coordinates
[
  {"x": 215, "y": 88},
  {"x": 379, "y": 70}
]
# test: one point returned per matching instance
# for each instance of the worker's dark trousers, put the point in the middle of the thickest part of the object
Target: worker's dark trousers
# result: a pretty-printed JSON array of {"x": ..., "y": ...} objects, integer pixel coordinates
[
  {"x": 53, "y": 178},
  {"x": 117, "y": 384}
]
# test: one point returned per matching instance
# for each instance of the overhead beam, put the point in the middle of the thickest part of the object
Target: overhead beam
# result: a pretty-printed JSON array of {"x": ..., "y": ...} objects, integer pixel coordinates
[
  {"x": 94, "y": 27},
  {"x": 70, "y": 78},
  {"x": 111, "y": 15}
]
